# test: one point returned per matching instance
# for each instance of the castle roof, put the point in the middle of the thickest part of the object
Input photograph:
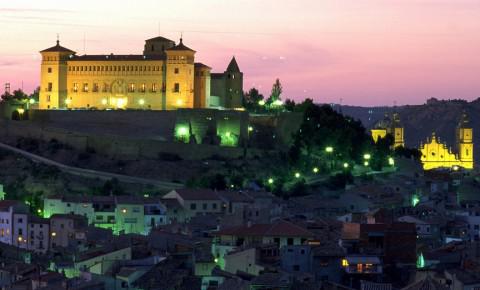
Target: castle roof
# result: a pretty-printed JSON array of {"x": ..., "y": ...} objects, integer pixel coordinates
[
  {"x": 233, "y": 66},
  {"x": 57, "y": 48},
  {"x": 159, "y": 38},
  {"x": 116, "y": 57},
  {"x": 201, "y": 65},
  {"x": 181, "y": 47}
]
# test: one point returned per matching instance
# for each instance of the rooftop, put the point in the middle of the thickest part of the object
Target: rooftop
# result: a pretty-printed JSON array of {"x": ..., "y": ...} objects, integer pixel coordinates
[{"x": 280, "y": 228}]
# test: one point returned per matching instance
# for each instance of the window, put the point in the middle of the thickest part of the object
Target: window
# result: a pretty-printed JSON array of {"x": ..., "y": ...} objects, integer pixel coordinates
[
  {"x": 48, "y": 98},
  {"x": 296, "y": 268},
  {"x": 193, "y": 206},
  {"x": 290, "y": 241},
  {"x": 95, "y": 87},
  {"x": 50, "y": 70},
  {"x": 176, "y": 70},
  {"x": 50, "y": 87},
  {"x": 176, "y": 88},
  {"x": 75, "y": 87},
  {"x": 20, "y": 220},
  {"x": 154, "y": 88},
  {"x": 20, "y": 232},
  {"x": 204, "y": 206},
  {"x": 131, "y": 87},
  {"x": 214, "y": 206},
  {"x": 99, "y": 217},
  {"x": 143, "y": 88},
  {"x": 85, "y": 87}
]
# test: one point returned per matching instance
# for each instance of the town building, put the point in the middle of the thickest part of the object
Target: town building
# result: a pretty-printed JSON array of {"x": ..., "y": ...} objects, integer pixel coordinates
[
  {"x": 164, "y": 77},
  {"x": 7, "y": 210}
]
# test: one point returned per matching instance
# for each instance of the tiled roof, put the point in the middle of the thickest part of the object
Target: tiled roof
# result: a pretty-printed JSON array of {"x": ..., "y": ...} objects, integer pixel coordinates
[
  {"x": 197, "y": 194},
  {"x": 278, "y": 229},
  {"x": 5, "y": 204},
  {"x": 426, "y": 284}
]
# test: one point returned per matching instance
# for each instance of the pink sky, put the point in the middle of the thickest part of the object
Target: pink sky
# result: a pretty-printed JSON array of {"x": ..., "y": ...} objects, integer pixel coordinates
[{"x": 365, "y": 52}]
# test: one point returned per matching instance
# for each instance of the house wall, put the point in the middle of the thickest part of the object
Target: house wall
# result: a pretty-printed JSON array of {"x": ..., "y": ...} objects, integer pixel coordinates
[
  {"x": 244, "y": 261},
  {"x": 38, "y": 237},
  {"x": 6, "y": 225}
]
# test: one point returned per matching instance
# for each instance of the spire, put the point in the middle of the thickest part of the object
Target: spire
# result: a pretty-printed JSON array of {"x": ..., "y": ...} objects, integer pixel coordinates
[
  {"x": 233, "y": 66},
  {"x": 58, "y": 39}
]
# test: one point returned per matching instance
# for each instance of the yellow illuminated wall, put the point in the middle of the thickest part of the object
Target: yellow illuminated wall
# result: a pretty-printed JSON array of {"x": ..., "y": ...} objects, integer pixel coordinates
[
  {"x": 378, "y": 133},
  {"x": 435, "y": 154}
]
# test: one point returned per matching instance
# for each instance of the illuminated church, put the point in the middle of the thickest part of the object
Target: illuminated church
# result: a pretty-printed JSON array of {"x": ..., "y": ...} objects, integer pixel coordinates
[
  {"x": 389, "y": 125},
  {"x": 436, "y": 154},
  {"x": 164, "y": 77}
]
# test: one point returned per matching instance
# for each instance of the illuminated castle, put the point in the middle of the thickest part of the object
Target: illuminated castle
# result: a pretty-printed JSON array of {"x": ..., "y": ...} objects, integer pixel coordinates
[
  {"x": 164, "y": 77},
  {"x": 435, "y": 154},
  {"x": 391, "y": 126}
]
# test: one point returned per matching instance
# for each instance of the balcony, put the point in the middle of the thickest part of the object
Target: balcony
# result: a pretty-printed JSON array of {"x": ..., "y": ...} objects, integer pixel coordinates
[{"x": 362, "y": 265}]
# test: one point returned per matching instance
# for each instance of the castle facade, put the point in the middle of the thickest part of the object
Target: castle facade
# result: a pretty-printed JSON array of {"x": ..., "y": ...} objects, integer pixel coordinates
[{"x": 164, "y": 77}]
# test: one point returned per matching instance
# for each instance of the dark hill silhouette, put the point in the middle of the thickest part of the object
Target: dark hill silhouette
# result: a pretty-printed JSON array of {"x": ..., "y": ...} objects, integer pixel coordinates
[{"x": 420, "y": 121}]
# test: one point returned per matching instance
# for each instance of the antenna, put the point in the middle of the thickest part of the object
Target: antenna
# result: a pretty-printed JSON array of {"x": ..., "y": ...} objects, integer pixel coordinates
[{"x": 58, "y": 38}]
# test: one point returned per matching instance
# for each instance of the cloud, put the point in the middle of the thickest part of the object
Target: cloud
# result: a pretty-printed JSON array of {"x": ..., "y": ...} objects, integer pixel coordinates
[{"x": 25, "y": 10}]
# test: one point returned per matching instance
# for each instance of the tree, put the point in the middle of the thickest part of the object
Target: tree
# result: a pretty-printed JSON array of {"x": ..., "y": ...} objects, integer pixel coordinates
[
  {"x": 16, "y": 95},
  {"x": 276, "y": 92},
  {"x": 251, "y": 100},
  {"x": 35, "y": 95},
  {"x": 289, "y": 105}
]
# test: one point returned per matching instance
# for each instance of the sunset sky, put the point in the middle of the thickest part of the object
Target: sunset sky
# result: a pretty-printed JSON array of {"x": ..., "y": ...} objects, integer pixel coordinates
[{"x": 365, "y": 52}]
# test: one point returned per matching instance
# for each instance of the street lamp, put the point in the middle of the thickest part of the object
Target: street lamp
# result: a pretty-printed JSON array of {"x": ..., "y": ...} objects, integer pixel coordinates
[
  {"x": 270, "y": 180},
  {"x": 329, "y": 149},
  {"x": 315, "y": 170},
  {"x": 346, "y": 165},
  {"x": 367, "y": 156},
  {"x": 297, "y": 174}
]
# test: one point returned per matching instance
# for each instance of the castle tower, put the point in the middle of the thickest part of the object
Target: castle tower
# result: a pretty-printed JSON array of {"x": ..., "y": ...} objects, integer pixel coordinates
[
  {"x": 53, "y": 77},
  {"x": 465, "y": 142},
  {"x": 233, "y": 86},
  {"x": 397, "y": 131},
  {"x": 180, "y": 77},
  {"x": 202, "y": 86}
]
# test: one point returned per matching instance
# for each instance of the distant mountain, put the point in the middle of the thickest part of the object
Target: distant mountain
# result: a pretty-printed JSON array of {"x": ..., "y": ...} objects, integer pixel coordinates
[{"x": 420, "y": 121}]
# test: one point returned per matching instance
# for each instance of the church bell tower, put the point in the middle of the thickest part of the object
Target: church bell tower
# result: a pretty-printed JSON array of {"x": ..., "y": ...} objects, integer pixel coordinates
[{"x": 465, "y": 142}]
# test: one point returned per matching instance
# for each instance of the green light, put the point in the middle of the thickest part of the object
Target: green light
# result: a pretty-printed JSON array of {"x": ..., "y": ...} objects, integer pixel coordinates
[
  {"x": 141, "y": 102},
  {"x": 39, "y": 211},
  {"x": 270, "y": 181},
  {"x": 181, "y": 132},
  {"x": 228, "y": 134},
  {"x": 261, "y": 103},
  {"x": 366, "y": 163},
  {"x": 146, "y": 195},
  {"x": 315, "y": 170},
  {"x": 215, "y": 260},
  {"x": 391, "y": 161},
  {"x": 297, "y": 174},
  {"x": 31, "y": 101},
  {"x": 250, "y": 128},
  {"x": 415, "y": 200},
  {"x": 420, "y": 261},
  {"x": 329, "y": 149},
  {"x": 346, "y": 165},
  {"x": 278, "y": 103},
  {"x": 367, "y": 156}
]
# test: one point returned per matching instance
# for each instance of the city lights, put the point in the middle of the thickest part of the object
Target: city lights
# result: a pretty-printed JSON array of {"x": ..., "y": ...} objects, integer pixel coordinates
[
  {"x": 297, "y": 175},
  {"x": 315, "y": 169},
  {"x": 329, "y": 149},
  {"x": 270, "y": 181}
]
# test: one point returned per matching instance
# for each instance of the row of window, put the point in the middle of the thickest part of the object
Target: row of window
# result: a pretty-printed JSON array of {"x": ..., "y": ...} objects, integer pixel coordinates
[
  {"x": 115, "y": 68},
  {"x": 132, "y": 87},
  {"x": 193, "y": 206}
]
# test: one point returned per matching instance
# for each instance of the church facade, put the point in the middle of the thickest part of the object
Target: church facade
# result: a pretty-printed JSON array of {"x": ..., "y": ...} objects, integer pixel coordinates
[
  {"x": 389, "y": 125},
  {"x": 164, "y": 77},
  {"x": 436, "y": 154}
]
